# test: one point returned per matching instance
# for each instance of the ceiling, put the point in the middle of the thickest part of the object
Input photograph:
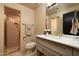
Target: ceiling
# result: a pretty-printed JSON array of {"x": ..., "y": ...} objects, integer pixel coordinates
[
  {"x": 31, "y": 5},
  {"x": 59, "y": 7},
  {"x": 56, "y": 8}
]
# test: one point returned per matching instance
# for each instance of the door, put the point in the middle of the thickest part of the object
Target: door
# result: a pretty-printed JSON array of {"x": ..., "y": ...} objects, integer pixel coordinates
[
  {"x": 12, "y": 35},
  {"x": 12, "y": 31}
]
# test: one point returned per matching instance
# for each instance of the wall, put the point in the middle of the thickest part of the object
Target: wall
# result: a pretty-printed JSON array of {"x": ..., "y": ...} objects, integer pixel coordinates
[
  {"x": 1, "y": 30},
  {"x": 40, "y": 16},
  {"x": 27, "y": 17},
  {"x": 60, "y": 14}
]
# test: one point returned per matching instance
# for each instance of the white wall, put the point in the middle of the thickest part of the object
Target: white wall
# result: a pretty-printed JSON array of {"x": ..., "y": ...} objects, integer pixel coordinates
[
  {"x": 1, "y": 30},
  {"x": 40, "y": 16},
  {"x": 27, "y": 17}
]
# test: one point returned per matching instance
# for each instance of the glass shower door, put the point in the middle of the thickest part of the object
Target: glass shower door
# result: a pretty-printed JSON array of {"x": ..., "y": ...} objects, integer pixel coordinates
[{"x": 12, "y": 35}]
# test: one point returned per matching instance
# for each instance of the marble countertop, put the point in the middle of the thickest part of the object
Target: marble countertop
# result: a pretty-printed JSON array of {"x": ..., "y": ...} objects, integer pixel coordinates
[{"x": 72, "y": 41}]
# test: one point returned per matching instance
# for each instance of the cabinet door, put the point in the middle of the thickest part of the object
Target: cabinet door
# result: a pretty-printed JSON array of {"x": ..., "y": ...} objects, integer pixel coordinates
[
  {"x": 40, "y": 48},
  {"x": 75, "y": 52},
  {"x": 57, "y": 47}
]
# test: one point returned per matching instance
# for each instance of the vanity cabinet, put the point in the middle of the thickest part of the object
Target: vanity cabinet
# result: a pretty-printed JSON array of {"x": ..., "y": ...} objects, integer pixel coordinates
[{"x": 51, "y": 48}]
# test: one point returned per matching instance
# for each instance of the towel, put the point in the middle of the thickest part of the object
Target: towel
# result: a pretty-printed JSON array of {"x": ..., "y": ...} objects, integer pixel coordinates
[{"x": 75, "y": 26}]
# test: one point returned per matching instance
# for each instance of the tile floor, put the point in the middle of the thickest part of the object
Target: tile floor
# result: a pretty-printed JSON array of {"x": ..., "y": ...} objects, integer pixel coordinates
[{"x": 17, "y": 53}]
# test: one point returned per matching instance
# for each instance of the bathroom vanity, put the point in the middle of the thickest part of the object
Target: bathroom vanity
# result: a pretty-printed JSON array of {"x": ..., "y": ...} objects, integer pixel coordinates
[{"x": 58, "y": 45}]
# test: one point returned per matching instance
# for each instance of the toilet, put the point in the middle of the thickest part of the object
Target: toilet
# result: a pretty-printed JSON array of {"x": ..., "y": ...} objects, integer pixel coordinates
[{"x": 30, "y": 48}]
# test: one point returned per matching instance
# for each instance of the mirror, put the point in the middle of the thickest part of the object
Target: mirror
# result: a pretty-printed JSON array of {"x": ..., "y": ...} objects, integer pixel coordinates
[
  {"x": 54, "y": 21},
  {"x": 55, "y": 12}
]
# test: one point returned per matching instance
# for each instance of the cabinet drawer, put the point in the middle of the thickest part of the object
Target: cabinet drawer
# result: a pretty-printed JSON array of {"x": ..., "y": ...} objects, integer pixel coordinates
[
  {"x": 59, "y": 48},
  {"x": 46, "y": 51}
]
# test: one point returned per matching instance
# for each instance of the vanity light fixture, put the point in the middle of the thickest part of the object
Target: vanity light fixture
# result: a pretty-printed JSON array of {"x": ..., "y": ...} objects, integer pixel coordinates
[{"x": 49, "y": 5}]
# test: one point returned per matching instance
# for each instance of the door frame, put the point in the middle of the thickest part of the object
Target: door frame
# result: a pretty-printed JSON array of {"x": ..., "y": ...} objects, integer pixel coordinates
[{"x": 5, "y": 29}]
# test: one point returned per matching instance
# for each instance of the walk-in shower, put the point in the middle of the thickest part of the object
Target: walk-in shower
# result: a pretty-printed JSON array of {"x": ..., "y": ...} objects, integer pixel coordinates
[{"x": 12, "y": 30}]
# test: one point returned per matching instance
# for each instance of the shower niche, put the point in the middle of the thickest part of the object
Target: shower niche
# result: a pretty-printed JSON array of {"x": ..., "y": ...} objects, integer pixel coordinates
[{"x": 12, "y": 30}]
